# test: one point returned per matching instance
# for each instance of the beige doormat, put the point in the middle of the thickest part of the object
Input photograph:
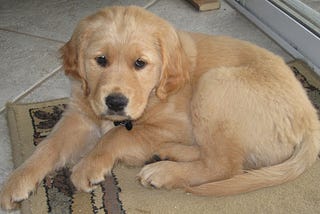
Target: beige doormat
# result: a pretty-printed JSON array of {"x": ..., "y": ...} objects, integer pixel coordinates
[{"x": 121, "y": 193}]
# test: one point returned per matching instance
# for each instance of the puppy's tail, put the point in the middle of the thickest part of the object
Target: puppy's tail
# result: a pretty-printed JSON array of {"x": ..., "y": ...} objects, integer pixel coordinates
[{"x": 303, "y": 157}]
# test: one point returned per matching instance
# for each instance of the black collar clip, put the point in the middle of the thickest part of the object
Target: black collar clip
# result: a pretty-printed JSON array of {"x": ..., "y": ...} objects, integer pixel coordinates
[{"x": 126, "y": 123}]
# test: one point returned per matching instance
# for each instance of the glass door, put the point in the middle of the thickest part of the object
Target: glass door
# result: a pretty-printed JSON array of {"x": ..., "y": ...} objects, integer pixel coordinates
[
  {"x": 294, "y": 24},
  {"x": 302, "y": 12}
]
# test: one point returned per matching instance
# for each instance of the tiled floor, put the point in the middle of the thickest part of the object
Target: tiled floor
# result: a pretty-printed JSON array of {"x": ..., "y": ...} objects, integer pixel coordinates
[{"x": 32, "y": 31}]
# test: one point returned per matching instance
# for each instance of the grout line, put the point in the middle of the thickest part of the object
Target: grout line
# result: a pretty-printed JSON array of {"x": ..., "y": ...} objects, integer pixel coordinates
[
  {"x": 34, "y": 86},
  {"x": 152, "y": 2},
  {"x": 31, "y": 35}
]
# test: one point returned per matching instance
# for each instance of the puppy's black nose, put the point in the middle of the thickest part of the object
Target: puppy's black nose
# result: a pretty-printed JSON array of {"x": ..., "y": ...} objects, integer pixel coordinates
[{"x": 116, "y": 102}]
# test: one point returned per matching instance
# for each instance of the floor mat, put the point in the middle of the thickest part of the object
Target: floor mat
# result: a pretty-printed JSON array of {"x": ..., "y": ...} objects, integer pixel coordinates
[{"x": 121, "y": 193}]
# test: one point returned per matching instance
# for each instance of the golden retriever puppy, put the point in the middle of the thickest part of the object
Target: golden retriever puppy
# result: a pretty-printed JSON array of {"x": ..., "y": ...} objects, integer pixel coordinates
[{"x": 223, "y": 115}]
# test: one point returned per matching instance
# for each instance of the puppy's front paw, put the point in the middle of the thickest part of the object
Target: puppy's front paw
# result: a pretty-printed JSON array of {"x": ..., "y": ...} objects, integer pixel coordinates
[
  {"x": 18, "y": 187},
  {"x": 86, "y": 175},
  {"x": 164, "y": 174}
]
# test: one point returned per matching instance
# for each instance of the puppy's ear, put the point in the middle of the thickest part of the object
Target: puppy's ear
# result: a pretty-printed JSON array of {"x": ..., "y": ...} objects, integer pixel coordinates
[
  {"x": 175, "y": 64},
  {"x": 72, "y": 57}
]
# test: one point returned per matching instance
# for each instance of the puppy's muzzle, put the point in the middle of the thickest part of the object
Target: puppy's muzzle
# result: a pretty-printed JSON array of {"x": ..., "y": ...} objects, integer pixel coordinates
[{"x": 116, "y": 102}]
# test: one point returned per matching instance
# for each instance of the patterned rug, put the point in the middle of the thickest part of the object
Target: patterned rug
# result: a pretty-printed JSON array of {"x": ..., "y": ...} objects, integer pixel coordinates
[{"x": 30, "y": 123}]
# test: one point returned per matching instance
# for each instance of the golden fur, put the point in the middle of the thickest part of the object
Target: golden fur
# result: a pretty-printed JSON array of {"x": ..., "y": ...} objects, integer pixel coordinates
[{"x": 226, "y": 116}]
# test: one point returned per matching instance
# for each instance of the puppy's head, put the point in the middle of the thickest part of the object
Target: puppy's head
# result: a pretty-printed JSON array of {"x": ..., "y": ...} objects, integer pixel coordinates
[{"x": 121, "y": 55}]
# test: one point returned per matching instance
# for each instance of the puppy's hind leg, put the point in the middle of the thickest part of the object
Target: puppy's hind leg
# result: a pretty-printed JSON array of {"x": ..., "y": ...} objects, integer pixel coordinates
[
  {"x": 220, "y": 158},
  {"x": 212, "y": 165}
]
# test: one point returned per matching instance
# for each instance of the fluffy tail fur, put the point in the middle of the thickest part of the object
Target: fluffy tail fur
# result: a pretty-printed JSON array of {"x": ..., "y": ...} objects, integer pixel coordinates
[{"x": 304, "y": 156}]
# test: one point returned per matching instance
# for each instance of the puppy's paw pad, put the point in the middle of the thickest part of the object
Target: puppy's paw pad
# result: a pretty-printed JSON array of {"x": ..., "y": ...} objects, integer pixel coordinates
[{"x": 154, "y": 159}]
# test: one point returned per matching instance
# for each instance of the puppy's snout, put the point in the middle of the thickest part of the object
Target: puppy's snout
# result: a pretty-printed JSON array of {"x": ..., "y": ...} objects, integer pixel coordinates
[{"x": 116, "y": 102}]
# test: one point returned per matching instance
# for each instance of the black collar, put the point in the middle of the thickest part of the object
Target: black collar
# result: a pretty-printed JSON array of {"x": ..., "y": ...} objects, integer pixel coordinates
[{"x": 126, "y": 123}]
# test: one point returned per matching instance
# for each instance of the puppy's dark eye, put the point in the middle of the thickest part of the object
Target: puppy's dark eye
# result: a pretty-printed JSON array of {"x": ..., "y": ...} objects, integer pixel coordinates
[
  {"x": 102, "y": 61},
  {"x": 139, "y": 64}
]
